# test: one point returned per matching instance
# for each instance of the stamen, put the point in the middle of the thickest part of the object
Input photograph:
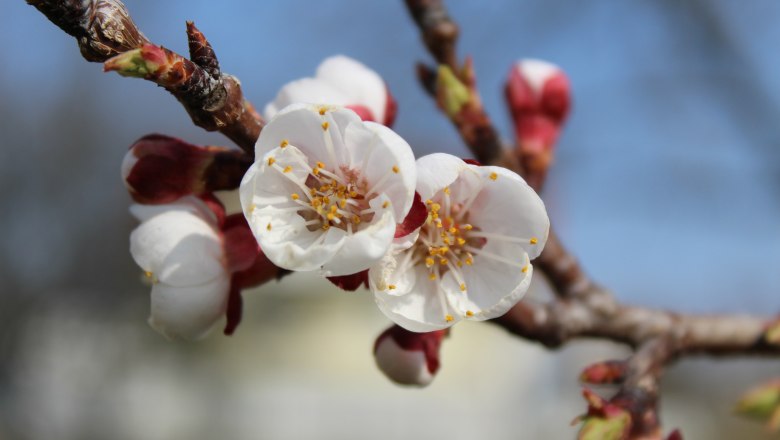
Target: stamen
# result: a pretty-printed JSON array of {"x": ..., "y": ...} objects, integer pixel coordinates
[
  {"x": 284, "y": 143},
  {"x": 395, "y": 169},
  {"x": 469, "y": 313},
  {"x": 271, "y": 161},
  {"x": 268, "y": 227},
  {"x": 524, "y": 269},
  {"x": 448, "y": 318},
  {"x": 391, "y": 287},
  {"x": 325, "y": 127},
  {"x": 493, "y": 176},
  {"x": 287, "y": 169},
  {"x": 533, "y": 240},
  {"x": 295, "y": 196}
]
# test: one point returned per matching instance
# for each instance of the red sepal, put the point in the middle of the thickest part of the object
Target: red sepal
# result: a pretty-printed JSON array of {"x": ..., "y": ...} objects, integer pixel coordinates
[
  {"x": 351, "y": 282},
  {"x": 391, "y": 109},
  {"x": 472, "y": 162},
  {"x": 414, "y": 219},
  {"x": 429, "y": 343},
  {"x": 364, "y": 112}
]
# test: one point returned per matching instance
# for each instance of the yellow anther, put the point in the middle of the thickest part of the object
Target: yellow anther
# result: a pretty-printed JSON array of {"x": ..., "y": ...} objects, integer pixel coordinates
[
  {"x": 432, "y": 276},
  {"x": 448, "y": 318},
  {"x": 148, "y": 274},
  {"x": 355, "y": 219},
  {"x": 325, "y": 227},
  {"x": 331, "y": 216},
  {"x": 469, "y": 262},
  {"x": 447, "y": 190},
  {"x": 316, "y": 202},
  {"x": 326, "y": 200},
  {"x": 469, "y": 313},
  {"x": 325, "y": 125},
  {"x": 313, "y": 191},
  {"x": 391, "y": 287},
  {"x": 429, "y": 202},
  {"x": 524, "y": 269},
  {"x": 295, "y": 196},
  {"x": 533, "y": 240},
  {"x": 320, "y": 165},
  {"x": 468, "y": 227},
  {"x": 322, "y": 111},
  {"x": 252, "y": 208},
  {"x": 271, "y": 161},
  {"x": 459, "y": 263},
  {"x": 493, "y": 176},
  {"x": 287, "y": 169},
  {"x": 461, "y": 241},
  {"x": 429, "y": 262},
  {"x": 386, "y": 204},
  {"x": 353, "y": 194},
  {"x": 453, "y": 230},
  {"x": 342, "y": 203},
  {"x": 333, "y": 208},
  {"x": 443, "y": 250},
  {"x": 462, "y": 287},
  {"x": 268, "y": 227},
  {"x": 315, "y": 171},
  {"x": 284, "y": 143},
  {"x": 435, "y": 207},
  {"x": 396, "y": 169},
  {"x": 444, "y": 261}
]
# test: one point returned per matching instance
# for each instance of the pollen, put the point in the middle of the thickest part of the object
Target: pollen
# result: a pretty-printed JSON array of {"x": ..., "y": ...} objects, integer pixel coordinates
[
  {"x": 322, "y": 111},
  {"x": 462, "y": 287},
  {"x": 268, "y": 227},
  {"x": 343, "y": 203},
  {"x": 493, "y": 176},
  {"x": 396, "y": 169},
  {"x": 148, "y": 274},
  {"x": 320, "y": 165},
  {"x": 469, "y": 313},
  {"x": 386, "y": 204},
  {"x": 524, "y": 269},
  {"x": 429, "y": 262},
  {"x": 469, "y": 261},
  {"x": 447, "y": 190},
  {"x": 448, "y": 318},
  {"x": 432, "y": 276},
  {"x": 355, "y": 219},
  {"x": 271, "y": 161},
  {"x": 325, "y": 125},
  {"x": 468, "y": 227},
  {"x": 331, "y": 216},
  {"x": 295, "y": 196},
  {"x": 453, "y": 230},
  {"x": 533, "y": 240},
  {"x": 287, "y": 169},
  {"x": 391, "y": 287},
  {"x": 444, "y": 261},
  {"x": 325, "y": 227},
  {"x": 284, "y": 143},
  {"x": 461, "y": 241}
]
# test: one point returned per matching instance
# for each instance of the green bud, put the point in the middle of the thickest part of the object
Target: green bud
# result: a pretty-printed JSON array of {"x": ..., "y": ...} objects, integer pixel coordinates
[{"x": 451, "y": 93}]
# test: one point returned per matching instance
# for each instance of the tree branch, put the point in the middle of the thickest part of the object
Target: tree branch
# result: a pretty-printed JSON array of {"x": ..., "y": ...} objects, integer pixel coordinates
[{"x": 106, "y": 33}]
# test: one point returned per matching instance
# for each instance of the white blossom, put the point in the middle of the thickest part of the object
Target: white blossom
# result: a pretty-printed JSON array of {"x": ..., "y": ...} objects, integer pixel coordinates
[
  {"x": 343, "y": 81},
  {"x": 471, "y": 259},
  {"x": 180, "y": 250},
  {"x": 327, "y": 189}
]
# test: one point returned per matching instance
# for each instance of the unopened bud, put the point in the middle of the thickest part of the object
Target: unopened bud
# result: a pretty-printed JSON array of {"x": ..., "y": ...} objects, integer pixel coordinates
[
  {"x": 762, "y": 403},
  {"x": 602, "y": 373},
  {"x": 408, "y": 358},
  {"x": 160, "y": 169},
  {"x": 603, "y": 420},
  {"x": 451, "y": 94},
  {"x": 137, "y": 63}
]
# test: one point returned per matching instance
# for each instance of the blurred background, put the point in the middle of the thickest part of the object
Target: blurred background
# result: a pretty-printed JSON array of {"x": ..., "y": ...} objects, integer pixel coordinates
[{"x": 666, "y": 186}]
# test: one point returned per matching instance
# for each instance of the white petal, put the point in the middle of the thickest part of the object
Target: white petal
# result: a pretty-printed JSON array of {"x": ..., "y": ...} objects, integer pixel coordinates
[
  {"x": 360, "y": 84},
  {"x": 302, "y": 126},
  {"x": 376, "y": 150},
  {"x": 178, "y": 248},
  {"x": 408, "y": 367},
  {"x": 420, "y": 310},
  {"x": 188, "y": 312},
  {"x": 306, "y": 90},
  {"x": 189, "y": 204},
  {"x": 508, "y": 206},
  {"x": 492, "y": 287},
  {"x": 362, "y": 249},
  {"x": 436, "y": 171},
  {"x": 536, "y": 73}
]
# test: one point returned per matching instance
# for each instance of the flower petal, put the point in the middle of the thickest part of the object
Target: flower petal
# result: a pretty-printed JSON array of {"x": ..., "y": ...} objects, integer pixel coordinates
[
  {"x": 305, "y": 90},
  {"x": 436, "y": 171},
  {"x": 178, "y": 248},
  {"x": 387, "y": 162},
  {"x": 420, "y": 310},
  {"x": 508, "y": 206},
  {"x": 301, "y": 125},
  {"x": 360, "y": 84},
  {"x": 188, "y": 312}
]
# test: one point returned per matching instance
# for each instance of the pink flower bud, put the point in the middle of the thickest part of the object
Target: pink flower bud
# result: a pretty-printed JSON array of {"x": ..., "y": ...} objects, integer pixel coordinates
[
  {"x": 537, "y": 93},
  {"x": 602, "y": 373},
  {"x": 408, "y": 358}
]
